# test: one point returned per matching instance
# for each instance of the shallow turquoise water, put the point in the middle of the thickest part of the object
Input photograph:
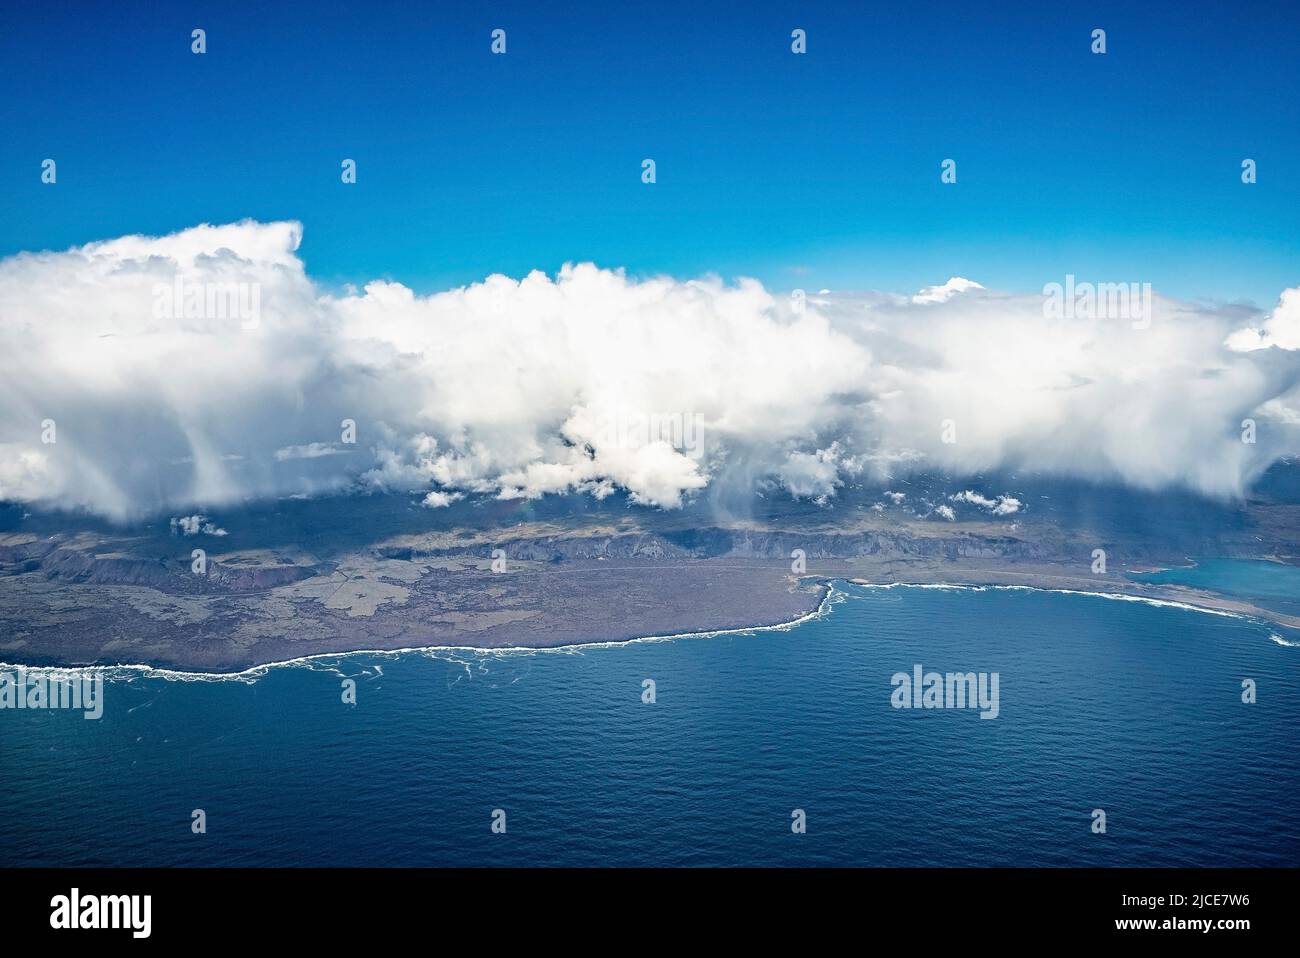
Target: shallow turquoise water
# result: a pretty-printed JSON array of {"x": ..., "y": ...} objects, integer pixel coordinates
[{"x": 1270, "y": 585}]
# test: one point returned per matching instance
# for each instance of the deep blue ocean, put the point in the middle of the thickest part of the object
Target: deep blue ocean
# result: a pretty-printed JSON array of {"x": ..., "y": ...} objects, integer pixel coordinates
[{"x": 1113, "y": 705}]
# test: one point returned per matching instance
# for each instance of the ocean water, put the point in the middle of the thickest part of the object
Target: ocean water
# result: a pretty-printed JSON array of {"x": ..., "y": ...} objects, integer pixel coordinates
[
  {"x": 1269, "y": 585},
  {"x": 1123, "y": 706}
]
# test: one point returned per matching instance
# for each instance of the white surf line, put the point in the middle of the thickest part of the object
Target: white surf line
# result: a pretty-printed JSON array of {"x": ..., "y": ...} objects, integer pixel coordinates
[
  {"x": 756, "y": 566},
  {"x": 1115, "y": 596},
  {"x": 255, "y": 672}
]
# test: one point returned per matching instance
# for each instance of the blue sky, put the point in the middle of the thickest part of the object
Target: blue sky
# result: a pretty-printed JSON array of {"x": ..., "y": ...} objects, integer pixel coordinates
[{"x": 805, "y": 171}]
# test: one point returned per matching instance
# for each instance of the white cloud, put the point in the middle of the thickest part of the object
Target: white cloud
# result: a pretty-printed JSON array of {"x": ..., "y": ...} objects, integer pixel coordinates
[
  {"x": 1281, "y": 328},
  {"x": 1001, "y": 506},
  {"x": 312, "y": 450},
  {"x": 194, "y": 525},
  {"x": 816, "y": 475},
  {"x": 509, "y": 387},
  {"x": 440, "y": 500},
  {"x": 941, "y": 294}
]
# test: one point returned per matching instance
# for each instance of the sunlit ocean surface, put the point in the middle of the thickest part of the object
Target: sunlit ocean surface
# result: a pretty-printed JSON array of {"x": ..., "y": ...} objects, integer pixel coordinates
[{"x": 1120, "y": 706}]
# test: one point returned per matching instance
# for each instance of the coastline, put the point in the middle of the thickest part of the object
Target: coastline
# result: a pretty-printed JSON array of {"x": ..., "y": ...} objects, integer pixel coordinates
[
  {"x": 254, "y": 672},
  {"x": 1173, "y": 597}
]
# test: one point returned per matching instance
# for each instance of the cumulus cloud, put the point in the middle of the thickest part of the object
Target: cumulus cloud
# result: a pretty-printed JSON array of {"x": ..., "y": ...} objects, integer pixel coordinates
[
  {"x": 1281, "y": 328},
  {"x": 441, "y": 500},
  {"x": 818, "y": 474},
  {"x": 194, "y": 525},
  {"x": 144, "y": 374},
  {"x": 1001, "y": 506},
  {"x": 945, "y": 292}
]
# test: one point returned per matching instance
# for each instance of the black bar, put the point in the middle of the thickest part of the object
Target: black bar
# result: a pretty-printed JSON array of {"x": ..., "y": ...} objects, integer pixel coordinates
[{"x": 330, "y": 907}]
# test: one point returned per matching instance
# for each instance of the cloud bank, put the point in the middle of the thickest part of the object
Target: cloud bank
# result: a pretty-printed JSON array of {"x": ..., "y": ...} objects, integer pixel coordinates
[{"x": 145, "y": 375}]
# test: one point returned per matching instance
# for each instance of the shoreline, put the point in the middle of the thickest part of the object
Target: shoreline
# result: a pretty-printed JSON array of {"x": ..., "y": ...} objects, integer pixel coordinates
[
  {"x": 253, "y": 672},
  {"x": 1174, "y": 598},
  {"x": 1114, "y": 596},
  {"x": 1177, "y": 596}
]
